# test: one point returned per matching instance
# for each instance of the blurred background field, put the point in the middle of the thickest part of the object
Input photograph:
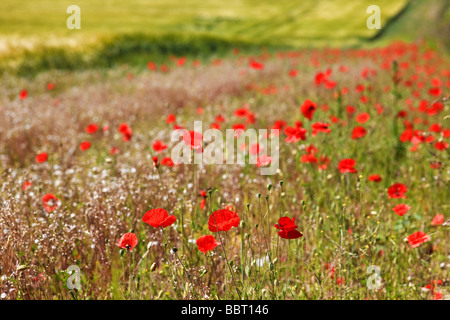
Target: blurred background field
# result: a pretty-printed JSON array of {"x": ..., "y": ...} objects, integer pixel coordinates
[{"x": 34, "y": 36}]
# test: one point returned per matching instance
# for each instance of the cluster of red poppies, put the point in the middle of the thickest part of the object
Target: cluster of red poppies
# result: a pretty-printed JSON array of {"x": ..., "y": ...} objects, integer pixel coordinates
[{"x": 220, "y": 220}]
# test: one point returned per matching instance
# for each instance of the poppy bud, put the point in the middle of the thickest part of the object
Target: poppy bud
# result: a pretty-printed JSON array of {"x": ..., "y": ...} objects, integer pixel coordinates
[
  {"x": 121, "y": 252},
  {"x": 267, "y": 197},
  {"x": 231, "y": 263},
  {"x": 275, "y": 261},
  {"x": 258, "y": 195},
  {"x": 276, "y": 282},
  {"x": 175, "y": 249},
  {"x": 271, "y": 266},
  {"x": 203, "y": 273},
  {"x": 281, "y": 183},
  {"x": 248, "y": 206},
  {"x": 242, "y": 224},
  {"x": 269, "y": 187},
  {"x": 153, "y": 266},
  {"x": 155, "y": 161}
]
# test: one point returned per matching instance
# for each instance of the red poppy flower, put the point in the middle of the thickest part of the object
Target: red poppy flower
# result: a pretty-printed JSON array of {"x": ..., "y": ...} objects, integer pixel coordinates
[
  {"x": 331, "y": 270},
  {"x": 256, "y": 149},
  {"x": 114, "y": 151},
  {"x": 286, "y": 224},
  {"x": 151, "y": 66},
  {"x": 347, "y": 165},
  {"x": 401, "y": 209},
  {"x": 202, "y": 204},
  {"x": 159, "y": 146},
  {"x": 435, "y": 127},
  {"x": 334, "y": 119},
  {"x": 207, "y": 243},
  {"x": 307, "y": 108},
  {"x": 320, "y": 127},
  {"x": 287, "y": 228},
  {"x": 311, "y": 149},
  {"x": 223, "y": 220},
  {"x": 92, "y": 128},
  {"x": 167, "y": 162},
  {"x": 295, "y": 134},
  {"x": 256, "y": 65},
  {"x": 181, "y": 61},
  {"x": 350, "y": 110},
  {"x": 293, "y": 234},
  {"x": 359, "y": 88},
  {"x": 437, "y": 296},
  {"x": 433, "y": 284},
  {"x": 251, "y": 118},
  {"x": 441, "y": 145},
  {"x": 402, "y": 114},
  {"x": 263, "y": 160},
  {"x": 436, "y": 91},
  {"x": 128, "y": 241},
  {"x": 23, "y": 94},
  {"x": 308, "y": 158},
  {"x": 362, "y": 117},
  {"x": 417, "y": 238},
  {"x": 330, "y": 84},
  {"x": 375, "y": 178},
  {"x": 158, "y": 218},
  {"x": 241, "y": 113},
  {"x": 123, "y": 128},
  {"x": 358, "y": 132},
  {"x": 126, "y": 132},
  {"x": 340, "y": 281},
  {"x": 50, "y": 202},
  {"x": 220, "y": 118},
  {"x": 50, "y": 86},
  {"x": 238, "y": 126},
  {"x": 320, "y": 78},
  {"x": 26, "y": 185},
  {"x": 155, "y": 161},
  {"x": 203, "y": 194},
  {"x": 85, "y": 145},
  {"x": 193, "y": 139},
  {"x": 41, "y": 157},
  {"x": 293, "y": 73},
  {"x": 279, "y": 124},
  {"x": 170, "y": 118},
  {"x": 397, "y": 190},
  {"x": 435, "y": 164},
  {"x": 438, "y": 220}
]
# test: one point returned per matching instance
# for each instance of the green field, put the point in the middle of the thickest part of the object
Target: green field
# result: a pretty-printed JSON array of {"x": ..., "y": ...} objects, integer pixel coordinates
[
  {"x": 280, "y": 22},
  {"x": 34, "y": 36}
]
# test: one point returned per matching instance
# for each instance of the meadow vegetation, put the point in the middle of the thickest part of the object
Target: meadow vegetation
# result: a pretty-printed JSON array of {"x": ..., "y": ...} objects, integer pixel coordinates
[{"x": 346, "y": 217}]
